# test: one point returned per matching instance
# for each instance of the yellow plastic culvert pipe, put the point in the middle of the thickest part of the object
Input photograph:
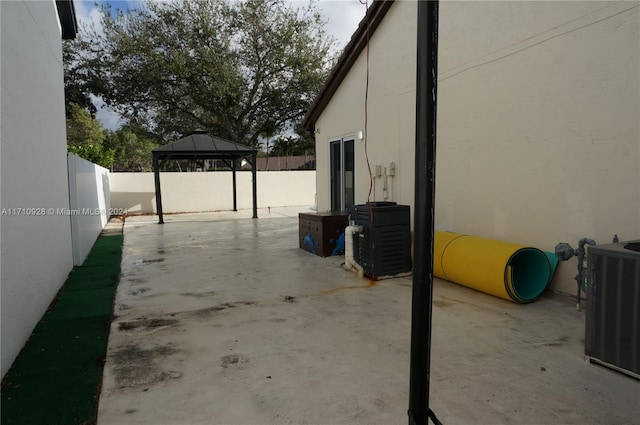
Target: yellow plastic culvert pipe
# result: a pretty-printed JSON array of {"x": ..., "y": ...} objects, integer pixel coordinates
[{"x": 510, "y": 271}]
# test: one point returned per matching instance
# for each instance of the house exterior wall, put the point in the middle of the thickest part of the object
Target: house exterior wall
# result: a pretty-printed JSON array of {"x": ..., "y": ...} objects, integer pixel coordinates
[
  {"x": 538, "y": 106},
  {"x": 391, "y": 102},
  {"x": 36, "y": 253},
  {"x": 210, "y": 191}
]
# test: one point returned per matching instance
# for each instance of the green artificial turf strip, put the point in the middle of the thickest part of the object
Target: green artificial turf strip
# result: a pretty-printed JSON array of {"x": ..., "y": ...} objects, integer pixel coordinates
[{"x": 57, "y": 376}]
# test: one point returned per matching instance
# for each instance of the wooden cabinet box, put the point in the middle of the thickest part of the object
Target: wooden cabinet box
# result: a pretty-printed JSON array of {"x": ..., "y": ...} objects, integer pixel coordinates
[{"x": 320, "y": 233}]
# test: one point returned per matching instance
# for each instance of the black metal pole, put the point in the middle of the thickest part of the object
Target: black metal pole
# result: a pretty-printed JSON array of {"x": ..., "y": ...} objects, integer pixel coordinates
[
  {"x": 156, "y": 176},
  {"x": 254, "y": 172},
  {"x": 421, "y": 305},
  {"x": 235, "y": 196}
]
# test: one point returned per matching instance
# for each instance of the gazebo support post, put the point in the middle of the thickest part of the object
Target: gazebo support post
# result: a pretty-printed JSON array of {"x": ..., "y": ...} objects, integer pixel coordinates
[
  {"x": 235, "y": 195},
  {"x": 254, "y": 174},
  {"x": 156, "y": 176}
]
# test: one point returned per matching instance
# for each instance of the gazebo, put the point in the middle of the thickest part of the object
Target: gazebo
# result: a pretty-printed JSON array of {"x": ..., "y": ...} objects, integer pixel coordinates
[{"x": 201, "y": 145}]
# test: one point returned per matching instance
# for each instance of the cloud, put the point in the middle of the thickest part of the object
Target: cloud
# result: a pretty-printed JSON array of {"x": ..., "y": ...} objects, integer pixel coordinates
[
  {"x": 110, "y": 120},
  {"x": 342, "y": 17},
  {"x": 87, "y": 14}
]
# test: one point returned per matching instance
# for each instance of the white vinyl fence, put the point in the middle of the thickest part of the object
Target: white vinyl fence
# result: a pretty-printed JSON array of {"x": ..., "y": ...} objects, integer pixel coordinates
[
  {"x": 210, "y": 191},
  {"x": 89, "y": 204}
]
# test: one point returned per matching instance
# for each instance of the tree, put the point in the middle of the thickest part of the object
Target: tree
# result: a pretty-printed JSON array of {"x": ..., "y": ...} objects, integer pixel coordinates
[
  {"x": 82, "y": 128},
  {"x": 283, "y": 146},
  {"x": 291, "y": 146},
  {"x": 76, "y": 89},
  {"x": 97, "y": 154},
  {"x": 236, "y": 69},
  {"x": 131, "y": 147},
  {"x": 85, "y": 137}
]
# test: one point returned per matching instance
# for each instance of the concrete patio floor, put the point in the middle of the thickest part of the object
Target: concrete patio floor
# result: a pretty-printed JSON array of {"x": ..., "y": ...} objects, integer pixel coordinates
[{"x": 221, "y": 319}]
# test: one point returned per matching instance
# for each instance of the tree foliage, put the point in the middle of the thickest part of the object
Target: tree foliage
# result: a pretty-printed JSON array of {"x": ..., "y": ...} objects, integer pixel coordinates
[
  {"x": 76, "y": 84},
  {"x": 98, "y": 154},
  {"x": 291, "y": 146},
  {"x": 236, "y": 69},
  {"x": 85, "y": 137},
  {"x": 132, "y": 148},
  {"x": 82, "y": 128}
]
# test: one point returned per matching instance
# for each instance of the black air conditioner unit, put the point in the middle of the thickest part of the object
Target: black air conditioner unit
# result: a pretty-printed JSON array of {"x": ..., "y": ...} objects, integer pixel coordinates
[
  {"x": 612, "y": 336},
  {"x": 384, "y": 246}
]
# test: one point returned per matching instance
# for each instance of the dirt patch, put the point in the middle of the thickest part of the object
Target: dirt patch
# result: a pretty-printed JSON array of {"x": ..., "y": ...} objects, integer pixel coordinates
[
  {"x": 233, "y": 360},
  {"x": 558, "y": 342},
  {"x": 145, "y": 324},
  {"x": 198, "y": 294},
  {"x": 209, "y": 311},
  {"x": 139, "y": 291},
  {"x": 153, "y": 260},
  {"x": 135, "y": 366},
  {"x": 136, "y": 280}
]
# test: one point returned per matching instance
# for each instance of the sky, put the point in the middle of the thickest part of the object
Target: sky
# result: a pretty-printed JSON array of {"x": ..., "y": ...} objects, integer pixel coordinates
[{"x": 342, "y": 18}]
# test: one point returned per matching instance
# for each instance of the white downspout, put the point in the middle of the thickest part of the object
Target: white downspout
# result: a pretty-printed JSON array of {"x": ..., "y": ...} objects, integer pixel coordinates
[{"x": 349, "y": 259}]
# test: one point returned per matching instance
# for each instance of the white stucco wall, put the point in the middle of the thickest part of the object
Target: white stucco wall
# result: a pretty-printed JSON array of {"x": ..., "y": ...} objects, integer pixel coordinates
[
  {"x": 35, "y": 250},
  {"x": 538, "y": 128},
  {"x": 391, "y": 112},
  {"x": 210, "y": 191},
  {"x": 89, "y": 203}
]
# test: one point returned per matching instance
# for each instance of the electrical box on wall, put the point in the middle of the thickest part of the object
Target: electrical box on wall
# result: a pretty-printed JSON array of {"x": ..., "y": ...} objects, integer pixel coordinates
[{"x": 384, "y": 246}]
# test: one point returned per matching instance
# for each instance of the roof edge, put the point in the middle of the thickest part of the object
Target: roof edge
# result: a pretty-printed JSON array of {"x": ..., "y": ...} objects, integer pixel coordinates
[
  {"x": 68, "y": 20},
  {"x": 169, "y": 148},
  {"x": 349, "y": 55}
]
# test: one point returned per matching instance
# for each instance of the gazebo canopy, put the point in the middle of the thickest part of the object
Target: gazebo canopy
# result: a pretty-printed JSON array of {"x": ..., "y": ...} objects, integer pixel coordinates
[{"x": 201, "y": 145}]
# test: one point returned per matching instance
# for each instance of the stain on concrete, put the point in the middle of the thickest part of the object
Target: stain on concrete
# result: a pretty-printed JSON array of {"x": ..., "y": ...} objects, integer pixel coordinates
[
  {"x": 277, "y": 320},
  {"x": 441, "y": 304},
  {"x": 140, "y": 261},
  {"x": 135, "y": 366},
  {"x": 153, "y": 260},
  {"x": 130, "y": 411},
  {"x": 540, "y": 342},
  {"x": 208, "y": 311},
  {"x": 137, "y": 280},
  {"x": 123, "y": 307},
  {"x": 455, "y": 300},
  {"x": 198, "y": 294},
  {"x": 139, "y": 291},
  {"x": 145, "y": 324},
  {"x": 289, "y": 299},
  {"x": 233, "y": 360},
  {"x": 560, "y": 341},
  {"x": 369, "y": 284}
]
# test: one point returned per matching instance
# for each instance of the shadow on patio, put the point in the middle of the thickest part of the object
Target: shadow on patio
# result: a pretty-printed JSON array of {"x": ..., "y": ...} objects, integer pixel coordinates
[{"x": 223, "y": 319}]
